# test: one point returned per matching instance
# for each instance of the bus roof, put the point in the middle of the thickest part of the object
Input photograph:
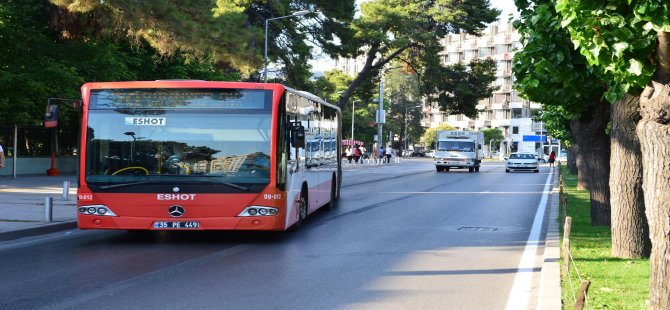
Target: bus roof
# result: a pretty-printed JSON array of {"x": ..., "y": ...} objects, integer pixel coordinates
[{"x": 200, "y": 84}]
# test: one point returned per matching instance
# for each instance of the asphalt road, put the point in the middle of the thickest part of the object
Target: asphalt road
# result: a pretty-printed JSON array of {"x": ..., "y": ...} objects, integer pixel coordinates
[{"x": 402, "y": 237}]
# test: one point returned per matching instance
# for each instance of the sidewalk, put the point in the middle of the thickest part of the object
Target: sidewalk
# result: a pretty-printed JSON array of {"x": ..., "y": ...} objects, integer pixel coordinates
[{"x": 22, "y": 211}]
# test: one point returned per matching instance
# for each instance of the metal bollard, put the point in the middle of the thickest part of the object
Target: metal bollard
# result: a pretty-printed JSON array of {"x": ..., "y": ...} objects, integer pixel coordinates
[
  {"x": 66, "y": 190},
  {"x": 48, "y": 209}
]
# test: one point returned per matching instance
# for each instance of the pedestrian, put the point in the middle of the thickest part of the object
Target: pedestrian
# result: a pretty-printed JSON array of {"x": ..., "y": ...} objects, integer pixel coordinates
[
  {"x": 389, "y": 153},
  {"x": 350, "y": 154},
  {"x": 357, "y": 153},
  {"x": 2, "y": 157},
  {"x": 381, "y": 154},
  {"x": 552, "y": 158}
]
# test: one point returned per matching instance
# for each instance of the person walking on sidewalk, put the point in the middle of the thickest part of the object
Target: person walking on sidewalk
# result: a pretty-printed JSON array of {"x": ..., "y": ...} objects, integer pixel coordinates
[
  {"x": 349, "y": 154},
  {"x": 357, "y": 153},
  {"x": 389, "y": 153},
  {"x": 2, "y": 157},
  {"x": 552, "y": 158}
]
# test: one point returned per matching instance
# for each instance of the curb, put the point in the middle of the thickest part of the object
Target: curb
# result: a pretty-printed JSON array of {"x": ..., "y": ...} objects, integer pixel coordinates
[
  {"x": 549, "y": 292},
  {"x": 37, "y": 230}
]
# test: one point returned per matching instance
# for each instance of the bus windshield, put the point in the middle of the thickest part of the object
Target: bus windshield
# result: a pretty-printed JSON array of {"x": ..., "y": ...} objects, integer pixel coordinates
[
  {"x": 455, "y": 146},
  {"x": 212, "y": 141}
]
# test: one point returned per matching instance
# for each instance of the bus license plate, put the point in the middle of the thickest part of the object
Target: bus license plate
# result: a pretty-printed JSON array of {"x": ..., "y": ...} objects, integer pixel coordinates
[{"x": 176, "y": 225}]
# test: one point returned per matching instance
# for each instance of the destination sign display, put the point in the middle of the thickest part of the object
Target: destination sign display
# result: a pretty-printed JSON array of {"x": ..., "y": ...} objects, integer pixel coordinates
[{"x": 187, "y": 98}]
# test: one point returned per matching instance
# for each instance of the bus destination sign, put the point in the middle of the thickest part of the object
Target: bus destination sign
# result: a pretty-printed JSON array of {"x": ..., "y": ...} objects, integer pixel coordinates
[{"x": 179, "y": 98}]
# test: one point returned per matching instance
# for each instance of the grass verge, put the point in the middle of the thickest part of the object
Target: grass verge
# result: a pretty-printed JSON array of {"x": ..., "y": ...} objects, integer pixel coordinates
[{"x": 615, "y": 283}]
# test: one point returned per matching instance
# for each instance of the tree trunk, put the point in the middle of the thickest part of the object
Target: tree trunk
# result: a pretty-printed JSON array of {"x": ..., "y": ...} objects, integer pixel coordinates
[
  {"x": 580, "y": 166},
  {"x": 572, "y": 161},
  {"x": 630, "y": 231},
  {"x": 654, "y": 133},
  {"x": 594, "y": 148}
]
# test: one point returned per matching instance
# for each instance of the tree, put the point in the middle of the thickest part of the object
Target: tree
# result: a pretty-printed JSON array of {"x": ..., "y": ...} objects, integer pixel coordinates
[
  {"x": 629, "y": 226},
  {"x": 409, "y": 31},
  {"x": 628, "y": 41},
  {"x": 331, "y": 85},
  {"x": 227, "y": 33},
  {"x": 430, "y": 136},
  {"x": 59, "y": 61},
  {"x": 405, "y": 104},
  {"x": 550, "y": 71},
  {"x": 556, "y": 121},
  {"x": 493, "y": 136},
  {"x": 458, "y": 88}
]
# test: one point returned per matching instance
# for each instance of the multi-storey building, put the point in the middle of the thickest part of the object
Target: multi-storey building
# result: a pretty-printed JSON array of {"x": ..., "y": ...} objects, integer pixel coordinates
[
  {"x": 350, "y": 66},
  {"x": 505, "y": 109}
]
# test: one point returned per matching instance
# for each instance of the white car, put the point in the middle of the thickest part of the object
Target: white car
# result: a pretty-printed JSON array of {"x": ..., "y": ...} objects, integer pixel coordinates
[
  {"x": 522, "y": 161},
  {"x": 430, "y": 153}
]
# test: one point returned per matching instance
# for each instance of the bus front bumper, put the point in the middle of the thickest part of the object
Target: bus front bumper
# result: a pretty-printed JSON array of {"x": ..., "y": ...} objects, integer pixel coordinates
[{"x": 270, "y": 223}]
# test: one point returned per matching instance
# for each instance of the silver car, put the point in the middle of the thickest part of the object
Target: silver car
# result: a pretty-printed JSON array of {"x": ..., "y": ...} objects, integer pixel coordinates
[{"x": 522, "y": 161}]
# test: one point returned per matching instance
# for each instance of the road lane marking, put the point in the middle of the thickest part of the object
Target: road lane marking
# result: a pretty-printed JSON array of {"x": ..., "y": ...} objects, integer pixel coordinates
[
  {"x": 470, "y": 193},
  {"x": 519, "y": 295}
]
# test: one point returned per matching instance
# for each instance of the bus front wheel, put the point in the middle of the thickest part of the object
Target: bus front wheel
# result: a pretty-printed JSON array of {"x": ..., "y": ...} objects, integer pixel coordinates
[{"x": 302, "y": 214}]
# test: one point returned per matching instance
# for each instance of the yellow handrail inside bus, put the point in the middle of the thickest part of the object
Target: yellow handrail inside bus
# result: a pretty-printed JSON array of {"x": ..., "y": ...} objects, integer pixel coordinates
[{"x": 132, "y": 168}]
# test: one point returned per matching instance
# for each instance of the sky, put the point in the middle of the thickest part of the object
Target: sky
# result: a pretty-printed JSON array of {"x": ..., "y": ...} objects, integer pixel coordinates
[{"x": 324, "y": 63}]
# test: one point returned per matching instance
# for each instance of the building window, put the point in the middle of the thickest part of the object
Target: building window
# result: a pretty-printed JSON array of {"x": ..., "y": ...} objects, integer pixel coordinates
[
  {"x": 502, "y": 48},
  {"x": 514, "y": 147},
  {"x": 515, "y": 130},
  {"x": 485, "y": 51},
  {"x": 516, "y": 113}
]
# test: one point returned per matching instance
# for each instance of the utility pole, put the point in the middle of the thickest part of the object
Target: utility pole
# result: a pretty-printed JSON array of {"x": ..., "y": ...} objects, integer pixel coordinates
[{"x": 381, "y": 119}]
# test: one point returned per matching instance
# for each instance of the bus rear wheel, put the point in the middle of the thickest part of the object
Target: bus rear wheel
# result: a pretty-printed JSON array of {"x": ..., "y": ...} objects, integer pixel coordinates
[{"x": 333, "y": 198}]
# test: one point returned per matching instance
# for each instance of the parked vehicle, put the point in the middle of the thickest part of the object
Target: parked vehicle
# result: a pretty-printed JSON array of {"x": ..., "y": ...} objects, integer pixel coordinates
[
  {"x": 522, "y": 161},
  {"x": 458, "y": 149}
]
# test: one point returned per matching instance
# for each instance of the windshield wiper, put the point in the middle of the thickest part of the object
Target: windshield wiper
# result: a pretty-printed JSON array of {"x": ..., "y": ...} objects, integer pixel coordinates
[
  {"x": 233, "y": 185},
  {"x": 211, "y": 178},
  {"x": 123, "y": 184}
]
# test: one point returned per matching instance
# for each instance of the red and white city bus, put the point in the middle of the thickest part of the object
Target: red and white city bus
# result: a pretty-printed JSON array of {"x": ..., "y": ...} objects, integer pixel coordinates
[{"x": 202, "y": 155}]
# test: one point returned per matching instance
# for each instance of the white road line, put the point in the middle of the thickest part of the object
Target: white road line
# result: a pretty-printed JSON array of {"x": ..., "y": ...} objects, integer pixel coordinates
[
  {"x": 470, "y": 193},
  {"x": 519, "y": 295}
]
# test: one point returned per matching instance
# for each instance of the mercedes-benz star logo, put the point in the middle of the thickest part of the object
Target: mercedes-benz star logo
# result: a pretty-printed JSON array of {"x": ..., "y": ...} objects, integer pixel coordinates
[{"x": 176, "y": 211}]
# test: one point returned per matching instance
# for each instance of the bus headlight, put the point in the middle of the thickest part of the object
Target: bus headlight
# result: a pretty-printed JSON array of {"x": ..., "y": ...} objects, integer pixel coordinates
[
  {"x": 96, "y": 210},
  {"x": 259, "y": 211}
]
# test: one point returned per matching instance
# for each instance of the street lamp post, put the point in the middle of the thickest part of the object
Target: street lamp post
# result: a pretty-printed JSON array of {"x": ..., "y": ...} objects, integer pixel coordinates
[
  {"x": 406, "y": 132},
  {"x": 381, "y": 119},
  {"x": 265, "y": 58},
  {"x": 380, "y": 114}
]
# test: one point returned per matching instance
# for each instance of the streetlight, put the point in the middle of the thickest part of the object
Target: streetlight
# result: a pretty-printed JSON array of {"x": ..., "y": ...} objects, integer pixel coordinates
[
  {"x": 381, "y": 119},
  {"x": 406, "y": 132},
  {"x": 265, "y": 58}
]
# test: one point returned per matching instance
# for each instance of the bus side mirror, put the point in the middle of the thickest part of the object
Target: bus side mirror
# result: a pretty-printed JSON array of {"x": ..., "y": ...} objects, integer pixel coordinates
[
  {"x": 297, "y": 135},
  {"x": 51, "y": 116}
]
